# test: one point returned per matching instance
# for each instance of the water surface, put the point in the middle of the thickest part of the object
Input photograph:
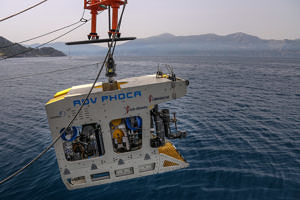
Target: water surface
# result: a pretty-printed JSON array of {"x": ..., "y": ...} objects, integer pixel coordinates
[{"x": 242, "y": 116}]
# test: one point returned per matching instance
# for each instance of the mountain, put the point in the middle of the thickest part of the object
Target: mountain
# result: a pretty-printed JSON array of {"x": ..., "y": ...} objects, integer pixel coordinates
[
  {"x": 239, "y": 44},
  {"x": 236, "y": 44},
  {"x": 7, "y": 49},
  {"x": 77, "y": 50}
]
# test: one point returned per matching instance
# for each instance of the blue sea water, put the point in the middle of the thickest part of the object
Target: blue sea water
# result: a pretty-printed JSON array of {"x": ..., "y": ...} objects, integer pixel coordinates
[{"x": 242, "y": 116}]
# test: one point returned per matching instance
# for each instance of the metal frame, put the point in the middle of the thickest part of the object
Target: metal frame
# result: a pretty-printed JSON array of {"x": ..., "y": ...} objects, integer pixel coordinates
[{"x": 100, "y": 109}]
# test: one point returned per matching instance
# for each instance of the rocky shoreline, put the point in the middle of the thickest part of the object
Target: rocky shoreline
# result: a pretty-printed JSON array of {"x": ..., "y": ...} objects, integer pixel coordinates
[{"x": 10, "y": 49}]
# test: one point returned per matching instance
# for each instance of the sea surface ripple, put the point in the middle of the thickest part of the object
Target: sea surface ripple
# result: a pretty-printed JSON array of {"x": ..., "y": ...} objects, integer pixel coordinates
[{"x": 242, "y": 116}]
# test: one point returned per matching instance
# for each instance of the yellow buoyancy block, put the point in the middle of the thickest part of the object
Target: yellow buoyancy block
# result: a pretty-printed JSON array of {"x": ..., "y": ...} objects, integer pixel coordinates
[{"x": 118, "y": 134}]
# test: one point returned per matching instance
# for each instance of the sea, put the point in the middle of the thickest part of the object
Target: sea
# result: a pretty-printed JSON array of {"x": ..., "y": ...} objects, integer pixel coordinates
[{"x": 241, "y": 115}]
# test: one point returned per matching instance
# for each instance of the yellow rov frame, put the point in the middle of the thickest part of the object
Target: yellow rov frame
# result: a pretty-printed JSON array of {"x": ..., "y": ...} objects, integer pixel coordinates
[{"x": 117, "y": 135}]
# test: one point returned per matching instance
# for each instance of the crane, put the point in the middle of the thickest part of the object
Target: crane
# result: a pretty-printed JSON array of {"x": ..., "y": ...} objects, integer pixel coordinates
[{"x": 100, "y": 5}]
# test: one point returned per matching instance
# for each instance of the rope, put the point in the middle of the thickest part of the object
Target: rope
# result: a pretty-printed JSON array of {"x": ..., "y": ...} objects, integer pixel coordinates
[
  {"x": 119, "y": 26},
  {"x": 121, "y": 17},
  {"x": 1, "y": 20},
  {"x": 59, "y": 29},
  {"x": 57, "y": 138},
  {"x": 45, "y": 34},
  {"x": 29, "y": 50}
]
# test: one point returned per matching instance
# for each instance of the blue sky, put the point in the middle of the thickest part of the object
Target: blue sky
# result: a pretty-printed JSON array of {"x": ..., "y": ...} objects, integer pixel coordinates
[{"x": 268, "y": 19}]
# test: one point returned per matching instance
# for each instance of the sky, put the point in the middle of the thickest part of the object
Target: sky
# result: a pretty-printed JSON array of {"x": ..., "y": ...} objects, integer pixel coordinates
[{"x": 267, "y": 19}]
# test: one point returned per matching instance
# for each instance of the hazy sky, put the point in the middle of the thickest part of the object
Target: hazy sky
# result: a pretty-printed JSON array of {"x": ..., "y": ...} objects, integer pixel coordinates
[{"x": 268, "y": 19}]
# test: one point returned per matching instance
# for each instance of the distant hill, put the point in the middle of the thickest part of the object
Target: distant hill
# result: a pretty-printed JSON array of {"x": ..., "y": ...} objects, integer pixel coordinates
[
  {"x": 239, "y": 44},
  {"x": 8, "y": 48},
  {"x": 236, "y": 44},
  {"x": 77, "y": 50}
]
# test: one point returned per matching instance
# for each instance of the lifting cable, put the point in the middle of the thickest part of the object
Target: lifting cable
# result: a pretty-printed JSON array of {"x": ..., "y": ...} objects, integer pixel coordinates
[
  {"x": 119, "y": 26},
  {"x": 1, "y": 20},
  {"x": 63, "y": 132},
  {"x": 45, "y": 34},
  {"x": 31, "y": 49},
  {"x": 71, "y": 122}
]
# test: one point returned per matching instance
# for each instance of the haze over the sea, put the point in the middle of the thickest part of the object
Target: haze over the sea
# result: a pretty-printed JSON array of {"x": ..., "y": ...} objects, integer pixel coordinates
[{"x": 268, "y": 19}]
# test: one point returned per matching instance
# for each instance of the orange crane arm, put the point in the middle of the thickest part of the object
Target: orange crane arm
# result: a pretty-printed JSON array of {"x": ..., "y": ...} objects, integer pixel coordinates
[{"x": 99, "y": 5}]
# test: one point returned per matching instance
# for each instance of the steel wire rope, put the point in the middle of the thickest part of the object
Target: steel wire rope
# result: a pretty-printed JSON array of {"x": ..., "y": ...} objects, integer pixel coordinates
[
  {"x": 71, "y": 122},
  {"x": 57, "y": 138},
  {"x": 1, "y": 20},
  {"x": 45, "y": 34},
  {"x": 32, "y": 49},
  {"x": 119, "y": 25}
]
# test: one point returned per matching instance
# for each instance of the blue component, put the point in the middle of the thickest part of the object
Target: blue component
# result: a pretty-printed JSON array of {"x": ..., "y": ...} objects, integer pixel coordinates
[
  {"x": 139, "y": 121},
  {"x": 63, "y": 136}
]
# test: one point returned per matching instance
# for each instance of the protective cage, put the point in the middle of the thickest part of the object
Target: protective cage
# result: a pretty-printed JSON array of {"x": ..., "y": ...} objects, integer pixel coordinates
[{"x": 119, "y": 134}]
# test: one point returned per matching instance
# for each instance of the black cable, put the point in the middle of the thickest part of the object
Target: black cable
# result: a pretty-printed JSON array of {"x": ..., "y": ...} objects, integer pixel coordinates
[
  {"x": 49, "y": 72},
  {"x": 63, "y": 132},
  {"x": 119, "y": 26},
  {"x": 83, "y": 12},
  {"x": 31, "y": 49},
  {"x": 59, "y": 29},
  {"x": 121, "y": 17},
  {"x": 22, "y": 11}
]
